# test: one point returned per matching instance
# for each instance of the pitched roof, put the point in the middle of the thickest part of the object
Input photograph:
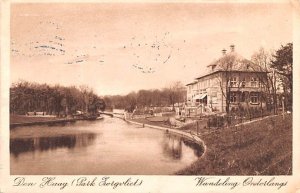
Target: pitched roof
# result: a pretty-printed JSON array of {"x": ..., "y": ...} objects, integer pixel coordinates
[
  {"x": 233, "y": 62},
  {"x": 194, "y": 82}
]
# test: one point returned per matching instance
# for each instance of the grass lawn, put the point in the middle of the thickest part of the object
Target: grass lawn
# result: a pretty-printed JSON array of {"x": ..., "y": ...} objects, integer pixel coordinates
[
  {"x": 26, "y": 119},
  {"x": 259, "y": 148},
  {"x": 157, "y": 121}
]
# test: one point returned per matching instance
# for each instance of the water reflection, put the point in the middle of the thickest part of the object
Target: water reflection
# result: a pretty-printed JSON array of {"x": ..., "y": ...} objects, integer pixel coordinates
[
  {"x": 198, "y": 149},
  {"x": 172, "y": 146},
  {"x": 21, "y": 145}
]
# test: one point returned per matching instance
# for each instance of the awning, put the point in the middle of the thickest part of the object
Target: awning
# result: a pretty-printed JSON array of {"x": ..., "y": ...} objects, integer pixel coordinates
[
  {"x": 200, "y": 96},
  {"x": 203, "y": 96},
  {"x": 197, "y": 96}
]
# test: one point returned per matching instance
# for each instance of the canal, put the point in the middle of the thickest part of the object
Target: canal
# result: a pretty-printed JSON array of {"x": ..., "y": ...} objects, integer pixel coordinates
[{"x": 103, "y": 147}]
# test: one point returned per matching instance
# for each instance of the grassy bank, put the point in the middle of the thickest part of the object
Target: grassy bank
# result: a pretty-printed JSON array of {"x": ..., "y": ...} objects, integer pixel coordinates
[
  {"x": 259, "y": 148},
  {"x": 26, "y": 119},
  {"x": 21, "y": 120}
]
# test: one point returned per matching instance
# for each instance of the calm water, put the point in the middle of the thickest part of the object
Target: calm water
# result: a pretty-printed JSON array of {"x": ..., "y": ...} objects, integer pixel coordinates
[{"x": 108, "y": 146}]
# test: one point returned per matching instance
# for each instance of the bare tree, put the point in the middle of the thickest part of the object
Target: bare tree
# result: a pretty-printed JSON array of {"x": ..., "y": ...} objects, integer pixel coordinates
[
  {"x": 226, "y": 64},
  {"x": 176, "y": 92},
  {"x": 262, "y": 59}
]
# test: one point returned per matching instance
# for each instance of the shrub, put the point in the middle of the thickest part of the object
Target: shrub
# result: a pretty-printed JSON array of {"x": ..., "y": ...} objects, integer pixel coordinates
[{"x": 216, "y": 121}]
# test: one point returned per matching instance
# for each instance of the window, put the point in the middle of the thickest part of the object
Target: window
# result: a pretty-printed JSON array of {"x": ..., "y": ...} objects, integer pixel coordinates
[
  {"x": 243, "y": 83},
  {"x": 254, "y": 82},
  {"x": 233, "y": 97},
  {"x": 233, "y": 82},
  {"x": 243, "y": 97},
  {"x": 254, "y": 98}
]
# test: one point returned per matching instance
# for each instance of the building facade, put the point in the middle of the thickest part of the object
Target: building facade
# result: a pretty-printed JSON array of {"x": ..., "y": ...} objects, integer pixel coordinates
[{"x": 230, "y": 83}]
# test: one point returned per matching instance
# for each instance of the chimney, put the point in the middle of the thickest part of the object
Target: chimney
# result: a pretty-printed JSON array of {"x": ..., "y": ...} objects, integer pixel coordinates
[
  {"x": 223, "y": 51},
  {"x": 213, "y": 67},
  {"x": 232, "y": 48}
]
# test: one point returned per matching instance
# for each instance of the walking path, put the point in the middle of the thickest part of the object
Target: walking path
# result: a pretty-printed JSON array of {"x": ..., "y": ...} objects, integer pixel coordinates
[{"x": 255, "y": 120}]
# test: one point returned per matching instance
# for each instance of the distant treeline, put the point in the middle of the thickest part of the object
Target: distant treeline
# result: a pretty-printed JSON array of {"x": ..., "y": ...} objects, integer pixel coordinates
[
  {"x": 53, "y": 100},
  {"x": 169, "y": 96}
]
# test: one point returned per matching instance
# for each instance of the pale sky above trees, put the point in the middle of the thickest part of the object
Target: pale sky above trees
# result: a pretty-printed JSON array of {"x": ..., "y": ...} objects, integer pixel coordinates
[{"x": 119, "y": 48}]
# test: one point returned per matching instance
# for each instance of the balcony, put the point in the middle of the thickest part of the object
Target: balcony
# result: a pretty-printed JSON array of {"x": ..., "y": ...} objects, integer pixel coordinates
[{"x": 250, "y": 89}]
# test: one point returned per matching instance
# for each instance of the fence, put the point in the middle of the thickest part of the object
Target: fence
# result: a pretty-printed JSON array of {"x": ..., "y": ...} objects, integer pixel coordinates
[{"x": 236, "y": 117}]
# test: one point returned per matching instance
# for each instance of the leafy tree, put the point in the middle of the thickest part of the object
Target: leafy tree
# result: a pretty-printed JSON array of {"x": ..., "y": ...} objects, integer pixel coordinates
[
  {"x": 283, "y": 65},
  {"x": 58, "y": 100}
]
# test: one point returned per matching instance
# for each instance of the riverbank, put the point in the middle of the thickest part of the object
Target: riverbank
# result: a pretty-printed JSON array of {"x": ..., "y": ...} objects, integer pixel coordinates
[
  {"x": 22, "y": 120},
  {"x": 260, "y": 147},
  {"x": 263, "y": 147}
]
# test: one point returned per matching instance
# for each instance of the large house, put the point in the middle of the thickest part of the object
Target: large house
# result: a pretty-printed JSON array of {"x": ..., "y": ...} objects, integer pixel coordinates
[{"x": 232, "y": 82}]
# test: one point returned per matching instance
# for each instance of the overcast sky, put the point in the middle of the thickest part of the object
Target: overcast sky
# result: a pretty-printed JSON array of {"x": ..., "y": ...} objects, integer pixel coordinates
[{"x": 119, "y": 48}]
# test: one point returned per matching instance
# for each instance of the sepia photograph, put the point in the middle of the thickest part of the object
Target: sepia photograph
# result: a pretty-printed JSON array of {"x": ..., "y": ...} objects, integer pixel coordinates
[{"x": 154, "y": 88}]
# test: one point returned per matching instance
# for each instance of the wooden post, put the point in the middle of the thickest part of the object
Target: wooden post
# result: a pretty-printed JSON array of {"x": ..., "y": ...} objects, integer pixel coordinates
[{"x": 197, "y": 127}]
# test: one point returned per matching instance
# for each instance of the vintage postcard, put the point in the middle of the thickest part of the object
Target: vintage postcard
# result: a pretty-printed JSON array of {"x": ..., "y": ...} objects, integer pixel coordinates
[{"x": 149, "y": 96}]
